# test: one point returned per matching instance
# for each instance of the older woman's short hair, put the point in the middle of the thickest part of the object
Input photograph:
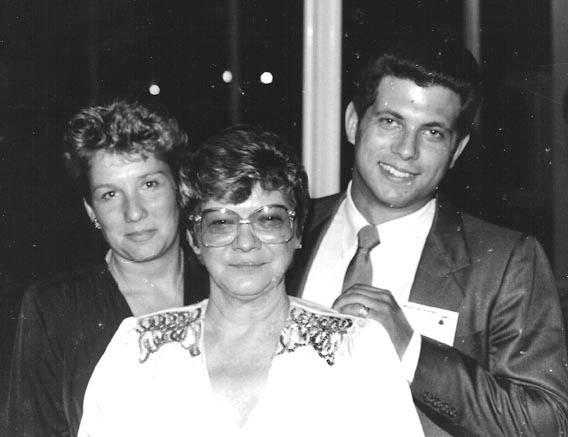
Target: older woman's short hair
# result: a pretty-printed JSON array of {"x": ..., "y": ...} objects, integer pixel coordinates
[
  {"x": 121, "y": 127},
  {"x": 229, "y": 165}
]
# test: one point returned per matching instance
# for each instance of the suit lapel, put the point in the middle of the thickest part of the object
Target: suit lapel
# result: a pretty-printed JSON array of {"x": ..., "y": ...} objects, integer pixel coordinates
[
  {"x": 439, "y": 280},
  {"x": 196, "y": 279},
  {"x": 311, "y": 240}
]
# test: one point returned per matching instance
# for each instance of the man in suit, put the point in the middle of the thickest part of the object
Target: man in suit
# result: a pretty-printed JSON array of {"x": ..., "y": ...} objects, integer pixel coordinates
[{"x": 471, "y": 308}]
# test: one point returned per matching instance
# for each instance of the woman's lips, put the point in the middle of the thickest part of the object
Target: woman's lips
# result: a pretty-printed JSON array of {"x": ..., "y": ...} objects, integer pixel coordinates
[
  {"x": 141, "y": 236},
  {"x": 247, "y": 265}
]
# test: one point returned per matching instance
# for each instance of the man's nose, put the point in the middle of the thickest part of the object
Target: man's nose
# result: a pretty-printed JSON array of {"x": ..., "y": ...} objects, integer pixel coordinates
[
  {"x": 406, "y": 146},
  {"x": 246, "y": 239},
  {"x": 134, "y": 209}
]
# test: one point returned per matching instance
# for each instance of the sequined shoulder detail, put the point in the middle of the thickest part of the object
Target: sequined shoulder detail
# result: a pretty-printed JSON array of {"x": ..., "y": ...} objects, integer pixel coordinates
[
  {"x": 323, "y": 332},
  {"x": 182, "y": 326}
]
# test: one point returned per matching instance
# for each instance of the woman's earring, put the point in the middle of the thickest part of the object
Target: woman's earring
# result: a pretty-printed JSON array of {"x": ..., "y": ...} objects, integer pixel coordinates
[{"x": 96, "y": 223}]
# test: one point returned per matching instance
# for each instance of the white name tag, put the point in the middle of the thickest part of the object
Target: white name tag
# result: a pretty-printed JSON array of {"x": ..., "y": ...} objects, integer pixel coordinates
[{"x": 436, "y": 323}]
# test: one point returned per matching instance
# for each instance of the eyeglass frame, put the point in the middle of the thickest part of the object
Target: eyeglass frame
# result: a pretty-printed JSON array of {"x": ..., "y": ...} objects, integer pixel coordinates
[{"x": 198, "y": 217}]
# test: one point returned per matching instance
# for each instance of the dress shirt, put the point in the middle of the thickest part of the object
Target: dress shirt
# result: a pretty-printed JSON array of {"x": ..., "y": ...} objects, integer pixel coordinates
[{"x": 394, "y": 260}]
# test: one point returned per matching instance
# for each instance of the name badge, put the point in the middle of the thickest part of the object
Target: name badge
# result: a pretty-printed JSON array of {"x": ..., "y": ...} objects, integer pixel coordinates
[{"x": 436, "y": 323}]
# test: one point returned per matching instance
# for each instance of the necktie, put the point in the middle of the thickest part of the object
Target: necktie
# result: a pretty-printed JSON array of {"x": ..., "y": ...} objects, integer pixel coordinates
[{"x": 360, "y": 269}]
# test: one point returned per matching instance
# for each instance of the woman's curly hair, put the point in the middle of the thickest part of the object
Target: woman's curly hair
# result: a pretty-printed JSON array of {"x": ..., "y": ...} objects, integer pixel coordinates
[{"x": 121, "y": 127}]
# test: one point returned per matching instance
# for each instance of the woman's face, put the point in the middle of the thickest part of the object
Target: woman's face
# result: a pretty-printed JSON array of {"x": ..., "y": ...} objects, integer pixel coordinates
[
  {"x": 135, "y": 201},
  {"x": 247, "y": 268}
]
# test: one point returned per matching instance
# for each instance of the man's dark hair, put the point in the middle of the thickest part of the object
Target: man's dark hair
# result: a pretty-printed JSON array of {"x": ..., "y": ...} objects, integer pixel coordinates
[
  {"x": 426, "y": 63},
  {"x": 121, "y": 127},
  {"x": 229, "y": 165}
]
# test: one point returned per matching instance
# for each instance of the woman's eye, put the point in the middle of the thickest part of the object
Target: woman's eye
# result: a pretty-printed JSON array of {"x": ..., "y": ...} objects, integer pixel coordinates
[
  {"x": 151, "y": 184},
  {"x": 220, "y": 221},
  {"x": 270, "y": 221}
]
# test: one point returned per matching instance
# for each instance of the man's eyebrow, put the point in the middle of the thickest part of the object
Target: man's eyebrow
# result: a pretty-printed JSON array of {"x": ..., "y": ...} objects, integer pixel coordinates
[
  {"x": 396, "y": 114},
  {"x": 389, "y": 112},
  {"x": 438, "y": 124},
  {"x": 103, "y": 185}
]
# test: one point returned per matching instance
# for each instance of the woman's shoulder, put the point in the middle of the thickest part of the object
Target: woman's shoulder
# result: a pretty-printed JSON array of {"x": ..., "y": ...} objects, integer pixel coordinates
[
  {"x": 328, "y": 331},
  {"x": 70, "y": 292},
  {"x": 70, "y": 282},
  {"x": 316, "y": 317},
  {"x": 322, "y": 312},
  {"x": 315, "y": 308},
  {"x": 362, "y": 329},
  {"x": 145, "y": 335},
  {"x": 172, "y": 319}
]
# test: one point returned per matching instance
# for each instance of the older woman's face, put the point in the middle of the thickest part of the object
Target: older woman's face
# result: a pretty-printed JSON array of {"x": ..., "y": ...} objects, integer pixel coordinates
[
  {"x": 134, "y": 199},
  {"x": 247, "y": 267}
]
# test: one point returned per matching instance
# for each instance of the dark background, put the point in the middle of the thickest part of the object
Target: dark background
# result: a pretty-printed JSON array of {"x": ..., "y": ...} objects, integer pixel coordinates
[{"x": 57, "y": 57}]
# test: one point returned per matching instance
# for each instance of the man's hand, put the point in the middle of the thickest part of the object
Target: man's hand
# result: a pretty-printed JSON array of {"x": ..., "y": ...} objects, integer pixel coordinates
[{"x": 382, "y": 308}]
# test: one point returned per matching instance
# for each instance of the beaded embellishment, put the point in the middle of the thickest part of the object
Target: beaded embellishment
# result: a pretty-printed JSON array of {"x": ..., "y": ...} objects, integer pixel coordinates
[
  {"x": 156, "y": 330},
  {"x": 324, "y": 333}
]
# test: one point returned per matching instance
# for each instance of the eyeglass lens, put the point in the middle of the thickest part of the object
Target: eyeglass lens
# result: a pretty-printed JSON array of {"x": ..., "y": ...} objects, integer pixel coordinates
[{"x": 271, "y": 224}]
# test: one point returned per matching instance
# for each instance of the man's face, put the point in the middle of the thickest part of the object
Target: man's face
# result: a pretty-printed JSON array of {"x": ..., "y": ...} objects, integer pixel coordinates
[{"x": 404, "y": 145}]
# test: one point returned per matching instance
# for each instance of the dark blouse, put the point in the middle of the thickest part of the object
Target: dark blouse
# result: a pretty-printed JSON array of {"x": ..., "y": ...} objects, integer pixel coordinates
[{"x": 64, "y": 327}]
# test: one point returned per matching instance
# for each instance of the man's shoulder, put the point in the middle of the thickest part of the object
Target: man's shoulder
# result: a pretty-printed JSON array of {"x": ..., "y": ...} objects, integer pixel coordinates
[
  {"x": 482, "y": 234},
  {"x": 322, "y": 207},
  {"x": 326, "y": 203},
  {"x": 477, "y": 232}
]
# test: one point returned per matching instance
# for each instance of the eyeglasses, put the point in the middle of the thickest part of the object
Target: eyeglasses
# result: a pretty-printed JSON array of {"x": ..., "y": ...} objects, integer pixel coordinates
[{"x": 272, "y": 224}]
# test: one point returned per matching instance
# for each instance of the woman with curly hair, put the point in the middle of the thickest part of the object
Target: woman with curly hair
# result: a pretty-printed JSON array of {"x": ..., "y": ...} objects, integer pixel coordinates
[{"x": 124, "y": 159}]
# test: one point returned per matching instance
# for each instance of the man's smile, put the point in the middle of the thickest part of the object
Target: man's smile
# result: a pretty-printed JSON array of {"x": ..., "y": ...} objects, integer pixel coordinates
[{"x": 397, "y": 173}]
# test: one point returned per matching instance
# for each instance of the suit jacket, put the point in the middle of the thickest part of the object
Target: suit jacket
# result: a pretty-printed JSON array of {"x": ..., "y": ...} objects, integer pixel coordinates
[{"x": 507, "y": 372}]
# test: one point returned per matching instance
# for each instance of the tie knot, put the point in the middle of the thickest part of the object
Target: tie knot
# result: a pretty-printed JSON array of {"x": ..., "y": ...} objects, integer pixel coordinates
[{"x": 368, "y": 237}]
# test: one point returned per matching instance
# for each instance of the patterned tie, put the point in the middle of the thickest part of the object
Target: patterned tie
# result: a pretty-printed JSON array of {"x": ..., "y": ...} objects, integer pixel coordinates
[{"x": 360, "y": 269}]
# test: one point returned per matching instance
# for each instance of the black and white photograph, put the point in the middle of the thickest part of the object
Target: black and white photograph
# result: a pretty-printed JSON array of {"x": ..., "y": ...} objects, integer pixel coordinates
[{"x": 283, "y": 217}]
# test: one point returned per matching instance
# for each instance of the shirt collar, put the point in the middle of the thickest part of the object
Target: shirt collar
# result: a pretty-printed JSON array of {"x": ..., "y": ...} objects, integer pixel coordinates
[{"x": 418, "y": 222}]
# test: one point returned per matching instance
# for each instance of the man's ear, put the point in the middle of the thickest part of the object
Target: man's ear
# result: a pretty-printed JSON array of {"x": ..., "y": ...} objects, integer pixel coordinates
[
  {"x": 351, "y": 122},
  {"x": 90, "y": 211},
  {"x": 459, "y": 149},
  {"x": 196, "y": 248}
]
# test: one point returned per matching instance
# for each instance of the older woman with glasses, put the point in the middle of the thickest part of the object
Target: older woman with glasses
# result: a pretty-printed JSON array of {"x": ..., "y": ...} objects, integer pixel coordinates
[{"x": 250, "y": 360}]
